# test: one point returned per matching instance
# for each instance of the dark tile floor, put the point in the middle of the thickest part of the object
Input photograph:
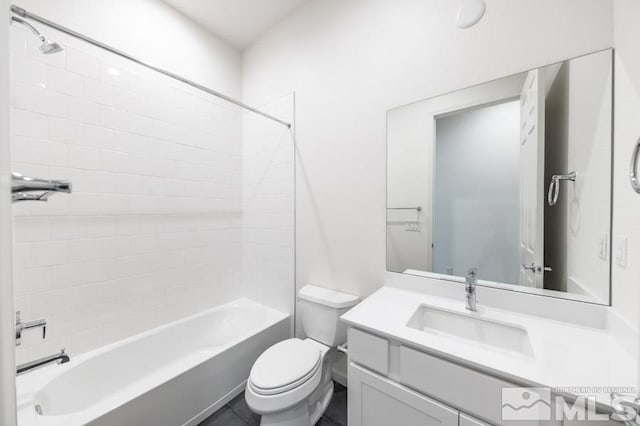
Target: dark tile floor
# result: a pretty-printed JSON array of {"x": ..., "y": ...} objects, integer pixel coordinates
[{"x": 236, "y": 412}]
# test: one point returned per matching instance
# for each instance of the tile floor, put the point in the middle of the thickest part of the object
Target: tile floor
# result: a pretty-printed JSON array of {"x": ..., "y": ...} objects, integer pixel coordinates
[{"x": 236, "y": 412}]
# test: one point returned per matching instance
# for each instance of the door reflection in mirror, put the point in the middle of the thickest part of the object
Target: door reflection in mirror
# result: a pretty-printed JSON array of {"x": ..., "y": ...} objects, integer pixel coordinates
[{"x": 481, "y": 161}]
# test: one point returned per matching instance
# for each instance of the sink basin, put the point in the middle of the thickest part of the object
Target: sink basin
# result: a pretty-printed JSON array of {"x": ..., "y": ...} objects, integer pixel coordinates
[{"x": 471, "y": 327}]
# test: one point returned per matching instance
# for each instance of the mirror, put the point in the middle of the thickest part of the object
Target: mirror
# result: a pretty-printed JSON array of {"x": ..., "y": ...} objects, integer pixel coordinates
[{"x": 511, "y": 177}]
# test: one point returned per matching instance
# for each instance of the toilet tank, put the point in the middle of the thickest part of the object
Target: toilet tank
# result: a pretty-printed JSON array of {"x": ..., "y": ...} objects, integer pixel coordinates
[{"x": 320, "y": 309}]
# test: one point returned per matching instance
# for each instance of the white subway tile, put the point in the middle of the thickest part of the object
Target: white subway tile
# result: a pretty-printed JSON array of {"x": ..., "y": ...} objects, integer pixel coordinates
[
  {"x": 83, "y": 157},
  {"x": 38, "y": 280},
  {"x": 63, "y": 130},
  {"x": 67, "y": 227},
  {"x": 100, "y": 226},
  {"x": 85, "y": 204},
  {"x": 140, "y": 240},
  {"x": 28, "y": 229},
  {"x": 60, "y": 80},
  {"x": 113, "y": 75},
  {"x": 46, "y": 304},
  {"x": 87, "y": 340},
  {"x": 18, "y": 39},
  {"x": 28, "y": 71},
  {"x": 101, "y": 182},
  {"x": 46, "y": 101},
  {"x": 84, "y": 111},
  {"x": 57, "y": 205},
  {"x": 48, "y": 153},
  {"x": 49, "y": 253},
  {"x": 19, "y": 95},
  {"x": 19, "y": 148},
  {"x": 27, "y": 123},
  {"x": 83, "y": 64},
  {"x": 116, "y": 204},
  {"x": 68, "y": 275},
  {"x": 111, "y": 118},
  {"x": 99, "y": 137},
  {"x": 100, "y": 93}
]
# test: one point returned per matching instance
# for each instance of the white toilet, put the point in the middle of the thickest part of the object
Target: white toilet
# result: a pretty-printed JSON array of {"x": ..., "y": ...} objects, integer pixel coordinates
[{"x": 290, "y": 383}]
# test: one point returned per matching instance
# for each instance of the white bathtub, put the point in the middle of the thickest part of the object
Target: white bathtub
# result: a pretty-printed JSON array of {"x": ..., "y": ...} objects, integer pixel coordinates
[{"x": 173, "y": 375}]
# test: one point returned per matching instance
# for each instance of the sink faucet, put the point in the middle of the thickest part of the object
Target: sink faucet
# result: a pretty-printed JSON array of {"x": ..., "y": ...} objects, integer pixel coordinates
[
  {"x": 470, "y": 289},
  {"x": 22, "y": 326},
  {"x": 59, "y": 358}
]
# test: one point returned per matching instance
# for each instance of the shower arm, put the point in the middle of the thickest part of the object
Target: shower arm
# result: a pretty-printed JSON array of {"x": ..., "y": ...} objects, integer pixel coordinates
[{"x": 28, "y": 26}]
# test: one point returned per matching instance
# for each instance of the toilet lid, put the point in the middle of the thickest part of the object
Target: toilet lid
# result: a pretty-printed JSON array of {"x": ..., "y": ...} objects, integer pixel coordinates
[{"x": 284, "y": 366}]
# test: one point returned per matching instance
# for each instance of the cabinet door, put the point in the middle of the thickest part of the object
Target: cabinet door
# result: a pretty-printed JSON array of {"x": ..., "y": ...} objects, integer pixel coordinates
[{"x": 377, "y": 401}]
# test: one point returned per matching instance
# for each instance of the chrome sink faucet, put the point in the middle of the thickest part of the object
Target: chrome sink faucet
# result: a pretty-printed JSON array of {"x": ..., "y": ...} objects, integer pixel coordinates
[
  {"x": 22, "y": 326},
  {"x": 470, "y": 289}
]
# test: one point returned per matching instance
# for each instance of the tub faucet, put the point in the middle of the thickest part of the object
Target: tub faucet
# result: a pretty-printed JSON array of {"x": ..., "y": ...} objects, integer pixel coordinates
[
  {"x": 470, "y": 289},
  {"x": 59, "y": 358},
  {"x": 22, "y": 326}
]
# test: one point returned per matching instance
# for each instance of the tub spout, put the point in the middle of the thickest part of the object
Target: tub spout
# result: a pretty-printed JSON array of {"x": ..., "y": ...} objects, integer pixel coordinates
[{"x": 59, "y": 358}]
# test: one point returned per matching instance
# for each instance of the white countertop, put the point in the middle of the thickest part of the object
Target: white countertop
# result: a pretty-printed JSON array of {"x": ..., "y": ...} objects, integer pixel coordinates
[{"x": 576, "y": 359}]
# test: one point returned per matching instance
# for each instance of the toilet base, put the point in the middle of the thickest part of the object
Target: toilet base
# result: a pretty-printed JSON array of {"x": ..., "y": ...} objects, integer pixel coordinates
[{"x": 302, "y": 414}]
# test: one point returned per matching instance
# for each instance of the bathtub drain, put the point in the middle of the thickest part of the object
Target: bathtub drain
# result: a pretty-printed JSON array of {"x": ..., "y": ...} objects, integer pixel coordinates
[{"x": 39, "y": 409}]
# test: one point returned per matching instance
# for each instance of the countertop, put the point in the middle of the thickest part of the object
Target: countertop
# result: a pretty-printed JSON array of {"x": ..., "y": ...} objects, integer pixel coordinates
[{"x": 573, "y": 359}]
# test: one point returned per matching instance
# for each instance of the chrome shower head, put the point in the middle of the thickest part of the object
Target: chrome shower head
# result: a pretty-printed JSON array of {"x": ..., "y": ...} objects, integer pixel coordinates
[{"x": 47, "y": 47}]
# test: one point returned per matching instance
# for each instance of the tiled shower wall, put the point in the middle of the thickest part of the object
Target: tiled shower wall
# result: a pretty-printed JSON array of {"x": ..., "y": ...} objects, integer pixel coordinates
[
  {"x": 153, "y": 229},
  {"x": 268, "y": 206}
]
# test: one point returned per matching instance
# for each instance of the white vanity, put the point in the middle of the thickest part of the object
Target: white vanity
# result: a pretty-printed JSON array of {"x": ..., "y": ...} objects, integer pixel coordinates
[{"x": 419, "y": 359}]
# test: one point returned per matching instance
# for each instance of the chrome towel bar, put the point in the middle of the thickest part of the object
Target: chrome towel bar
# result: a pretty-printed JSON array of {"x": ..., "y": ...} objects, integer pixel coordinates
[
  {"x": 633, "y": 172},
  {"x": 418, "y": 208},
  {"x": 554, "y": 186}
]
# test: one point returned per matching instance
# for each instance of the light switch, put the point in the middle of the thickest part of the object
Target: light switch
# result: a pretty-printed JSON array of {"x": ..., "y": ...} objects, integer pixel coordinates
[{"x": 621, "y": 251}]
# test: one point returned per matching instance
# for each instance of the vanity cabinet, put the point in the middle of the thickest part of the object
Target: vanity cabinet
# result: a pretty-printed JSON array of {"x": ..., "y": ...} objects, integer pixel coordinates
[
  {"x": 392, "y": 384},
  {"x": 382, "y": 402}
]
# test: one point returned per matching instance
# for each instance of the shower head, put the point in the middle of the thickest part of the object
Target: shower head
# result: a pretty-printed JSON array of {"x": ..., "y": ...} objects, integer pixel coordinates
[{"x": 47, "y": 47}]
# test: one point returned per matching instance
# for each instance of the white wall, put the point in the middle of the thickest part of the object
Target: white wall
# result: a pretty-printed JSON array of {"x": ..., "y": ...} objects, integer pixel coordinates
[
  {"x": 589, "y": 155},
  {"x": 7, "y": 332},
  {"x": 626, "y": 280},
  {"x": 153, "y": 229},
  {"x": 349, "y": 62},
  {"x": 477, "y": 203},
  {"x": 152, "y": 31},
  {"x": 410, "y": 184}
]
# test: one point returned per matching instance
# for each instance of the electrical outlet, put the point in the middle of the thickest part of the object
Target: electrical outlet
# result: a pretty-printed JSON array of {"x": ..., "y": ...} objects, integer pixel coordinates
[{"x": 621, "y": 251}]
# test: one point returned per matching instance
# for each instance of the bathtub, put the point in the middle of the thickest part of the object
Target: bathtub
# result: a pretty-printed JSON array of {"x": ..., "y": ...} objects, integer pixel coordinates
[{"x": 176, "y": 374}]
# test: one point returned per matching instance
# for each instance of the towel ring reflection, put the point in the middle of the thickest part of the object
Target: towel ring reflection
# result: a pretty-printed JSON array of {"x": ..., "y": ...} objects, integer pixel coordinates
[
  {"x": 633, "y": 172},
  {"x": 554, "y": 186}
]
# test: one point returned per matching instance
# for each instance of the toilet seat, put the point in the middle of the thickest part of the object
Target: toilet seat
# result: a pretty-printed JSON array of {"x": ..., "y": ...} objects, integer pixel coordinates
[{"x": 285, "y": 366}]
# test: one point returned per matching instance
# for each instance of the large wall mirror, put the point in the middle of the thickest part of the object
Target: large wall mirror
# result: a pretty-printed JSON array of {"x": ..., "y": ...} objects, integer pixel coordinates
[{"x": 511, "y": 177}]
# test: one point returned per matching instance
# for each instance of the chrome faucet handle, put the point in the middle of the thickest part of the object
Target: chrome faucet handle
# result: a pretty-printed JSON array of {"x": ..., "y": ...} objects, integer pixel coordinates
[
  {"x": 470, "y": 289},
  {"x": 472, "y": 276},
  {"x": 22, "y": 326}
]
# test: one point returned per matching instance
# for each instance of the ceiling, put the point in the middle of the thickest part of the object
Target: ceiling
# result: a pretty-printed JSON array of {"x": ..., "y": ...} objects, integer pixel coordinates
[{"x": 238, "y": 22}]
